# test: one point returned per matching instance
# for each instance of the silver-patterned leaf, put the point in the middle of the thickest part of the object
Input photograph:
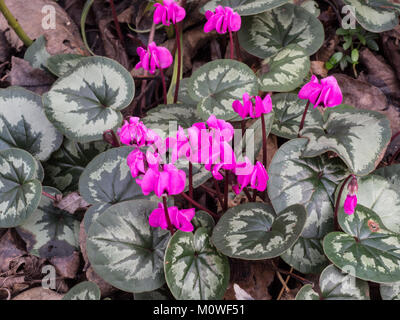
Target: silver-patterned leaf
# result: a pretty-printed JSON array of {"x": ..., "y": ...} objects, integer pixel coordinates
[
  {"x": 359, "y": 137},
  {"x": 184, "y": 96},
  {"x": 289, "y": 109},
  {"x": 203, "y": 220},
  {"x": 107, "y": 178},
  {"x": 85, "y": 290},
  {"x": 24, "y": 125},
  {"x": 390, "y": 291},
  {"x": 124, "y": 250},
  {"x": 264, "y": 34},
  {"x": 20, "y": 191},
  {"x": 37, "y": 54},
  {"x": 365, "y": 246},
  {"x": 374, "y": 19},
  {"x": 50, "y": 232},
  {"x": 312, "y": 7},
  {"x": 86, "y": 101},
  {"x": 92, "y": 213},
  {"x": 194, "y": 269},
  {"x": 61, "y": 64},
  {"x": 391, "y": 173},
  {"x": 286, "y": 69},
  {"x": 253, "y": 231},
  {"x": 160, "y": 294},
  {"x": 66, "y": 165},
  {"x": 379, "y": 195},
  {"x": 336, "y": 285},
  {"x": 217, "y": 84},
  {"x": 245, "y": 7}
]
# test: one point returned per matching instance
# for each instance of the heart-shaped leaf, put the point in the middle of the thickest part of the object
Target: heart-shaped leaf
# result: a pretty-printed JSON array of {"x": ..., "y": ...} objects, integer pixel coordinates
[
  {"x": 107, "y": 178},
  {"x": 359, "y": 137},
  {"x": 252, "y": 231},
  {"x": 289, "y": 109},
  {"x": 245, "y": 7},
  {"x": 61, "y": 64},
  {"x": 264, "y": 34},
  {"x": 217, "y": 84},
  {"x": 86, "y": 101},
  {"x": 194, "y": 269},
  {"x": 85, "y": 290},
  {"x": 49, "y": 231},
  {"x": 20, "y": 191},
  {"x": 37, "y": 54},
  {"x": 382, "y": 197},
  {"x": 92, "y": 213},
  {"x": 373, "y": 19},
  {"x": 66, "y": 165},
  {"x": 124, "y": 250},
  {"x": 366, "y": 246},
  {"x": 184, "y": 96},
  {"x": 23, "y": 124},
  {"x": 391, "y": 173},
  {"x": 390, "y": 291},
  {"x": 336, "y": 285},
  {"x": 286, "y": 70}
]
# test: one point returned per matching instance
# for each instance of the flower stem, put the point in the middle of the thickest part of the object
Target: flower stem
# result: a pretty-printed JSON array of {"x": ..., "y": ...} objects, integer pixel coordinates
[
  {"x": 394, "y": 157},
  {"x": 14, "y": 24},
  {"x": 170, "y": 227},
  {"x": 48, "y": 195},
  {"x": 110, "y": 137},
  {"x": 237, "y": 47},
  {"x": 247, "y": 193},
  {"x": 164, "y": 85},
  {"x": 303, "y": 118},
  {"x": 190, "y": 180},
  {"x": 178, "y": 78},
  {"x": 243, "y": 124},
  {"x": 338, "y": 202},
  {"x": 226, "y": 188},
  {"x": 264, "y": 142},
  {"x": 198, "y": 205},
  {"x": 231, "y": 44},
  {"x": 219, "y": 194},
  {"x": 116, "y": 22}
]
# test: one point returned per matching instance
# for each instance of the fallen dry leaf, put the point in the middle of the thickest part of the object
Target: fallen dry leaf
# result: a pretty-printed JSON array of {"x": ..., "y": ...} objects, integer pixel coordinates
[
  {"x": 10, "y": 248},
  {"x": 38, "y": 293},
  {"x": 67, "y": 267},
  {"x": 71, "y": 203}
]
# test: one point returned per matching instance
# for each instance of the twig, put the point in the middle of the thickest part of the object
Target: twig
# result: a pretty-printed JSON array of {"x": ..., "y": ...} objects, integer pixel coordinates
[
  {"x": 286, "y": 281},
  {"x": 282, "y": 281}
]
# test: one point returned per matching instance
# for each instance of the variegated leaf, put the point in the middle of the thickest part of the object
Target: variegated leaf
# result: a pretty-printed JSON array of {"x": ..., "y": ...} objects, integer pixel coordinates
[
  {"x": 289, "y": 109},
  {"x": 39, "y": 171},
  {"x": 245, "y": 7},
  {"x": 308, "y": 181},
  {"x": 86, "y": 101},
  {"x": 194, "y": 269},
  {"x": 203, "y": 220},
  {"x": 61, "y": 64},
  {"x": 92, "y": 213},
  {"x": 253, "y": 231},
  {"x": 184, "y": 96},
  {"x": 359, "y": 137},
  {"x": 37, "y": 54},
  {"x": 20, "y": 191},
  {"x": 124, "y": 250},
  {"x": 379, "y": 195},
  {"x": 49, "y": 231},
  {"x": 264, "y": 34},
  {"x": 391, "y": 173},
  {"x": 390, "y": 291},
  {"x": 312, "y": 7},
  {"x": 217, "y": 84},
  {"x": 66, "y": 165},
  {"x": 85, "y": 290},
  {"x": 107, "y": 178},
  {"x": 286, "y": 70},
  {"x": 306, "y": 256},
  {"x": 365, "y": 246},
  {"x": 165, "y": 119},
  {"x": 23, "y": 124},
  {"x": 160, "y": 294},
  {"x": 336, "y": 285},
  {"x": 373, "y": 19}
]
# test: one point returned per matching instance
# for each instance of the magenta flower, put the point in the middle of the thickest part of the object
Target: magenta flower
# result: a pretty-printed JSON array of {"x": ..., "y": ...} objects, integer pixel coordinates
[
  {"x": 350, "y": 204},
  {"x": 154, "y": 57},
  {"x": 168, "y": 12},
  {"x": 224, "y": 129},
  {"x": 248, "y": 108},
  {"x": 180, "y": 145},
  {"x": 133, "y": 132},
  {"x": 170, "y": 180},
  {"x": 327, "y": 92},
  {"x": 223, "y": 20},
  {"x": 247, "y": 174},
  {"x": 179, "y": 218},
  {"x": 136, "y": 162}
]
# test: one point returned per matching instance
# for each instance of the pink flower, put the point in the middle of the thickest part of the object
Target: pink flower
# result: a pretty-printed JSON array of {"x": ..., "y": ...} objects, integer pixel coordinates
[
  {"x": 133, "y": 132},
  {"x": 222, "y": 20},
  {"x": 350, "y": 204},
  {"x": 225, "y": 128},
  {"x": 257, "y": 176},
  {"x": 167, "y": 12},
  {"x": 180, "y": 145},
  {"x": 170, "y": 180},
  {"x": 136, "y": 162},
  {"x": 260, "y": 107},
  {"x": 154, "y": 57},
  {"x": 179, "y": 218},
  {"x": 327, "y": 92}
]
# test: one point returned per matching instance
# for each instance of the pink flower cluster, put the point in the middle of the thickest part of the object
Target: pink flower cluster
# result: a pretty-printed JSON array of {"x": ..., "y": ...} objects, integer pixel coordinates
[
  {"x": 223, "y": 20},
  {"x": 254, "y": 110}
]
